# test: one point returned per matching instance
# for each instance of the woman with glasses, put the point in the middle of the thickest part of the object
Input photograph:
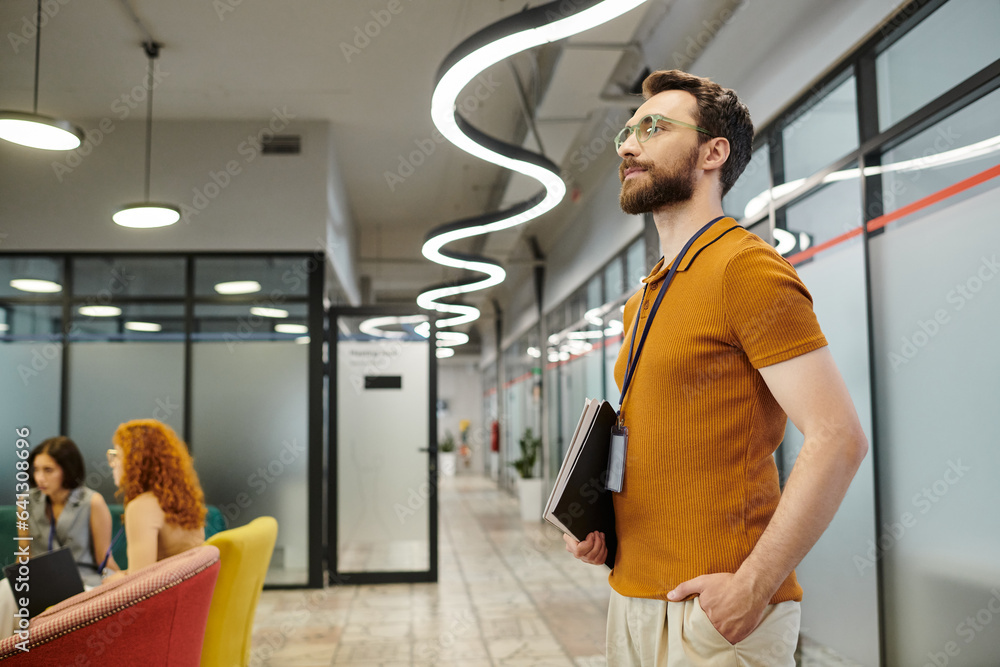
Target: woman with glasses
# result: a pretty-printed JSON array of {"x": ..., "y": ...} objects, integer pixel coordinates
[
  {"x": 62, "y": 512},
  {"x": 164, "y": 504}
]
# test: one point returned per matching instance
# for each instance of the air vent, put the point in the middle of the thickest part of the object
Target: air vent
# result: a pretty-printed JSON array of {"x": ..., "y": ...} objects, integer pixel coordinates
[{"x": 282, "y": 144}]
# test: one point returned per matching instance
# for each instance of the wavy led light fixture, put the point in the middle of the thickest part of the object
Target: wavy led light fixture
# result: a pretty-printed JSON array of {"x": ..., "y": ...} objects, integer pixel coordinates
[{"x": 547, "y": 23}]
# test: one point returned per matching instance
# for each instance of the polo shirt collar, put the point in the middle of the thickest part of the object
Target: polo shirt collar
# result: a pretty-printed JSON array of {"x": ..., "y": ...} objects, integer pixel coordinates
[{"x": 711, "y": 236}]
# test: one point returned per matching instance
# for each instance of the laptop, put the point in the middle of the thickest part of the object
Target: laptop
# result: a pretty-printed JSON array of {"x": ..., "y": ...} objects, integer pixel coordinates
[{"x": 51, "y": 578}]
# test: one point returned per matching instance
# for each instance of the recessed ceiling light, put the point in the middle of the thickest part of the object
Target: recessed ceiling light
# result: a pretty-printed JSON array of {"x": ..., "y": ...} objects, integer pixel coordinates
[
  {"x": 100, "y": 311},
  {"x": 445, "y": 352},
  {"x": 32, "y": 285},
  {"x": 238, "y": 287},
  {"x": 4, "y": 326},
  {"x": 268, "y": 312},
  {"x": 291, "y": 328},
  {"x": 143, "y": 326}
]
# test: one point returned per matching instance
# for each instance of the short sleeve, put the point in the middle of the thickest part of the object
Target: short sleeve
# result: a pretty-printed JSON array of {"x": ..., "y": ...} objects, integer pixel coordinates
[{"x": 769, "y": 311}]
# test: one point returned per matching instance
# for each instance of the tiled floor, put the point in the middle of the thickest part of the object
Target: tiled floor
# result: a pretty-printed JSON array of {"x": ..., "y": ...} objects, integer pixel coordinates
[{"x": 508, "y": 595}]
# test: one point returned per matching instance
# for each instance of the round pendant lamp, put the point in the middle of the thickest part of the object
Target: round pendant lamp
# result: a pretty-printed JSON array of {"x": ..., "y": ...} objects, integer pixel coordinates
[
  {"x": 147, "y": 214},
  {"x": 33, "y": 129}
]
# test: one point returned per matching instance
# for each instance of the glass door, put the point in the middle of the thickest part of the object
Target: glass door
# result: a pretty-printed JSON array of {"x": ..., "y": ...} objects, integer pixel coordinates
[{"x": 383, "y": 451}]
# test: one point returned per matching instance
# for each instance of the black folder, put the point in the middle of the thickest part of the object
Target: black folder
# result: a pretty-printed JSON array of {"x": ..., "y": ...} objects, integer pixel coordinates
[{"x": 580, "y": 503}]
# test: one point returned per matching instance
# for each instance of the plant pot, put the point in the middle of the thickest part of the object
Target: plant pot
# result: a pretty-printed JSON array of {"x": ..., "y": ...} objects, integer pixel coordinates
[
  {"x": 529, "y": 492},
  {"x": 446, "y": 463}
]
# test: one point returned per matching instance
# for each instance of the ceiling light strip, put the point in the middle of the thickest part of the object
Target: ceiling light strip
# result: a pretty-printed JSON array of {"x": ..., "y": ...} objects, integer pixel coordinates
[{"x": 547, "y": 23}]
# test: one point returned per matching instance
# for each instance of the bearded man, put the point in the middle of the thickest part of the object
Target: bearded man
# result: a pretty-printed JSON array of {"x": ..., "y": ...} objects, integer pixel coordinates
[{"x": 721, "y": 345}]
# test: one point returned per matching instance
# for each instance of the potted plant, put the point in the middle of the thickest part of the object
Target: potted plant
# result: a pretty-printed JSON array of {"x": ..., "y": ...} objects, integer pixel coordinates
[
  {"x": 529, "y": 487},
  {"x": 446, "y": 455}
]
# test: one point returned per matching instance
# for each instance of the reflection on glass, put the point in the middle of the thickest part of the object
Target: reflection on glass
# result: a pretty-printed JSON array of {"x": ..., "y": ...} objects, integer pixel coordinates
[
  {"x": 953, "y": 43},
  {"x": 826, "y": 213},
  {"x": 279, "y": 277},
  {"x": 961, "y": 145},
  {"x": 754, "y": 180},
  {"x": 635, "y": 264},
  {"x": 821, "y": 132},
  {"x": 22, "y": 321},
  {"x": 133, "y": 321},
  {"x": 109, "y": 277},
  {"x": 246, "y": 321},
  {"x": 44, "y": 276},
  {"x": 595, "y": 292},
  {"x": 614, "y": 279}
]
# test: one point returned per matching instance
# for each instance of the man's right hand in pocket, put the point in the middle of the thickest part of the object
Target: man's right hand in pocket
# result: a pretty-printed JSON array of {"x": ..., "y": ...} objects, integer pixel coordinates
[{"x": 591, "y": 550}]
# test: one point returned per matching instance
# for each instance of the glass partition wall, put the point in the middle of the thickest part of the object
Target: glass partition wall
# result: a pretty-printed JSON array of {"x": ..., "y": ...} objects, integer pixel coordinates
[
  {"x": 584, "y": 335},
  {"x": 522, "y": 403},
  {"x": 878, "y": 185},
  {"x": 225, "y": 349},
  {"x": 883, "y": 179}
]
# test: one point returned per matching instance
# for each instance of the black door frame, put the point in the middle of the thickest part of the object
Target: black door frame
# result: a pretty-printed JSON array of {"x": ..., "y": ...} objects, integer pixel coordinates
[{"x": 430, "y": 575}]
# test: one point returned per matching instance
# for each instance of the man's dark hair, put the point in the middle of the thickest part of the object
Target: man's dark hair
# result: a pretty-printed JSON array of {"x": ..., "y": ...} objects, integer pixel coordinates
[
  {"x": 719, "y": 111},
  {"x": 66, "y": 454}
]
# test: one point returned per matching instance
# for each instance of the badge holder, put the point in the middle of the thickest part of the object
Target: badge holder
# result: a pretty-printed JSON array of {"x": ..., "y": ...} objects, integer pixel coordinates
[{"x": 616, "y": 456}]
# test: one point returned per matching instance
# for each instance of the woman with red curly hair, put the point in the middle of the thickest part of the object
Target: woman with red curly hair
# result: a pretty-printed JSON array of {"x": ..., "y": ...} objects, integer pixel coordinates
[{"x": 164, "y": 503}]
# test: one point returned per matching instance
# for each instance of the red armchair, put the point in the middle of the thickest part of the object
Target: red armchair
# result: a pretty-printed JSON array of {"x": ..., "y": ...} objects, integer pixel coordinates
[{"x": 152, "y": 618}]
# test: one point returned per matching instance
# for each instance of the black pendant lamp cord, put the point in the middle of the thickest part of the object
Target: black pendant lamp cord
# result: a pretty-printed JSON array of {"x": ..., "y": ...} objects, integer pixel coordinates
[
  {"x": 38, "y": 52},
  {"x": 152, "y": 50}
]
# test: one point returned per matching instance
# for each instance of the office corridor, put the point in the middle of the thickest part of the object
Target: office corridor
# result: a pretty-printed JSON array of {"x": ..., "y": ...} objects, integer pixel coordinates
[{"x": 508, "y": 594}]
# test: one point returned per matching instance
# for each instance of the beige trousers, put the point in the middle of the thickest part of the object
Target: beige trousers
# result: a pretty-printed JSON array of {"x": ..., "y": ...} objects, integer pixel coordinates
[{"x": 657, "y": 633}]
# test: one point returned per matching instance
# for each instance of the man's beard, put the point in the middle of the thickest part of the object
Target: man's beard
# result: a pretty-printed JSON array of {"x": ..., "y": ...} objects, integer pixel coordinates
[{"x": 663, "y": 189}]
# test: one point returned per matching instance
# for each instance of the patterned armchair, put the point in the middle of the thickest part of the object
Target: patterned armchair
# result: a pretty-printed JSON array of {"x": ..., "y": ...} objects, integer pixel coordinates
[{"x": 154, "y": 618}]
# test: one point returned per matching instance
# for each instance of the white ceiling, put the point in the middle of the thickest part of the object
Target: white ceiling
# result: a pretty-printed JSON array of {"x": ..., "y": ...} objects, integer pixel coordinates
[{"x": 237, "y": 60}]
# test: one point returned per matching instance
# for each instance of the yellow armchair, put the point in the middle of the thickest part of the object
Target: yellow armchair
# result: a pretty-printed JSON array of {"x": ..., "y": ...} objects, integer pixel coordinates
[{"x": 245, "y": 553}]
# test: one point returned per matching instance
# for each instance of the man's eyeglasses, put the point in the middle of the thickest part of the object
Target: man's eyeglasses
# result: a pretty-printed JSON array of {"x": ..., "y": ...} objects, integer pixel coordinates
[
  {"x": 112, "y": 456},
  {"x": 648, "y": 126}
]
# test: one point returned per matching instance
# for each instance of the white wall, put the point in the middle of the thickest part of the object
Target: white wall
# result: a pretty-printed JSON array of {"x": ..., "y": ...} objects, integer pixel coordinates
[{"x": 64, "y": 201}]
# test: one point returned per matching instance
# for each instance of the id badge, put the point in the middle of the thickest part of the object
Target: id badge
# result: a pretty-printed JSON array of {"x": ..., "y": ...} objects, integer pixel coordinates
[{"x": 616, "y": 458}]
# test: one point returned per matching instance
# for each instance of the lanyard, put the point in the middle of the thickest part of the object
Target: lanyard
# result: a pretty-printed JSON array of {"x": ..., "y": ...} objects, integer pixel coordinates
[
  {"x": 634, "y": 361},
  {"x": 52, "y": 522},
  {"x": 111, "y": 546},
  {"x": 107, "y": 555}
]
